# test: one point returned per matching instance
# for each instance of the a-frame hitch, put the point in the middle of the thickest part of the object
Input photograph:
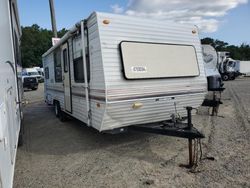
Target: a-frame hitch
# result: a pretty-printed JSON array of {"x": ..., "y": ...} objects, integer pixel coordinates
[{"x": 176, "y": 129}]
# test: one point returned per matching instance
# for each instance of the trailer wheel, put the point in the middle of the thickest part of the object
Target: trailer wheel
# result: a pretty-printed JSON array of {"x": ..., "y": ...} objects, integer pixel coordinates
[
  {"x": 58, "y": 112},
  {"x": 225, "y": 77}
]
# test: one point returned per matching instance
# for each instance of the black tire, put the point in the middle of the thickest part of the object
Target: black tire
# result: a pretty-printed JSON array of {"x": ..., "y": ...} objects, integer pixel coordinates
[
  {"x": 58, "y": 112},
  {"x": 232, "y": 78},
  {"x": 225, "y": 77},
  {"x": 34, "y": 88}
]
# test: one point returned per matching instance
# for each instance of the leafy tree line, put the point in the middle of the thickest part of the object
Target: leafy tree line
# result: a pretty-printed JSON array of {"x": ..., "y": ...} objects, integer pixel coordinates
[
  {"x": 241, "y": 52},
  {"x": 36, "y": 41}
]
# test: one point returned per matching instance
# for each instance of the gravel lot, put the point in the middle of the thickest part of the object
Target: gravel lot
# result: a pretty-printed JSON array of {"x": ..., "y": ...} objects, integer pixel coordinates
[{"x": 57, "y": 154}]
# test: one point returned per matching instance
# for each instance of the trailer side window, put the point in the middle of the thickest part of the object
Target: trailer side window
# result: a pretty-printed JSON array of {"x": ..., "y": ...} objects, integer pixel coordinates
[
  {"x": 65, "y": 60},
  {"x": 78, "y": 70},
  {"x": 46, "y": 70},
  {"x": 58, "y": 65},
  {"x": 77, "y": 59}
]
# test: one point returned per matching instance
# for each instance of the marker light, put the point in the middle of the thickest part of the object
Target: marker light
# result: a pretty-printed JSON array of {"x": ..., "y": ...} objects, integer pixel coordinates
[{"x": 106, "y": 22}]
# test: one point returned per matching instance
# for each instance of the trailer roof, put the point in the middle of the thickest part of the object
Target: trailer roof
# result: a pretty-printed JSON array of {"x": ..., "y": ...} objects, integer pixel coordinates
[
  {"x": 77, "y": 26},
  {"x": 66, "y": 36},
  {"x": 62, "y": 40}
]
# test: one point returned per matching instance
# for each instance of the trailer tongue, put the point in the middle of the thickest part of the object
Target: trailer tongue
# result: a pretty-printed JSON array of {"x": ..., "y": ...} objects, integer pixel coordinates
[{"x": 175, "y": 128}]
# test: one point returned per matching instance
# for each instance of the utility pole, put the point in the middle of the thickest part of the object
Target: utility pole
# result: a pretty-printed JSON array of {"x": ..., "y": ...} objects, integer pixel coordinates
[{"x": 53, "y": 17}]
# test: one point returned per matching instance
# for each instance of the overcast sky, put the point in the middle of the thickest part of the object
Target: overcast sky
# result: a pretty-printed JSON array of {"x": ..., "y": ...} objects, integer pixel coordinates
[{"x": 226, "y": 20}]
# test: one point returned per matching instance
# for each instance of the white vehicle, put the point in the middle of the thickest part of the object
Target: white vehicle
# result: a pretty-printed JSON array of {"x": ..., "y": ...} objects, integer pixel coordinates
[
  {"x": 40, "y": 71},
  {"x": 228, "y": 67},
  {"x": 211, "y": 67},
  {"x": 10, "y": 90},
  {"x": 33, "y": 73},
  {"x": 29, "y": 82},
  {"x": 112, "y": 71},
  {"x": 245, "y": 68}
]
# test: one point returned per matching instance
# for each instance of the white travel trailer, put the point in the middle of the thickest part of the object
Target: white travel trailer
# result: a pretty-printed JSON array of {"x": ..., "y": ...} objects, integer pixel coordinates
[
  {"x": 112, "y": 71},
  {"x": 211, "y": 67},
  {"x": 10, "y": 90},
  {"x": 214, "y": 80}
]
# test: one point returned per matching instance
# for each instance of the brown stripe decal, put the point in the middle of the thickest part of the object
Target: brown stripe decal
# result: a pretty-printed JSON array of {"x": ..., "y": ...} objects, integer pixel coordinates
[
  {"x": 154, "y": 95},
  {"x": 134, "y": 97},
  {"x": 94, "y": 97}
]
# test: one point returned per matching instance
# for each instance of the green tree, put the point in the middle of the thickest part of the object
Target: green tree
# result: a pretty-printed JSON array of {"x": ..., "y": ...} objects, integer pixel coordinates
[
  {"x": 36, "y": 41},
  {"x": 241, "y": 52}
]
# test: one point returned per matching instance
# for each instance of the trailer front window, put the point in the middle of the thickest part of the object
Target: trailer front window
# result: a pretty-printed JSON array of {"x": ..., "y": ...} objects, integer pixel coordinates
[{"x": 152, "y": 60}]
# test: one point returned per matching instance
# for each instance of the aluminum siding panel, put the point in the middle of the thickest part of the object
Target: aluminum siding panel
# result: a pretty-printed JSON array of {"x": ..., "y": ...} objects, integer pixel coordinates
[
  {"x": 126, "y": 28},
  {"x": 55, "y": 90}
]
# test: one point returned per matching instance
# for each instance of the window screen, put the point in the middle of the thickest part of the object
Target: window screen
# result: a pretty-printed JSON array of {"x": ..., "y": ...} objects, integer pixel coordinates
[
  {"x": 58, "y": 65},
  {"x": 151, "y": 60}
]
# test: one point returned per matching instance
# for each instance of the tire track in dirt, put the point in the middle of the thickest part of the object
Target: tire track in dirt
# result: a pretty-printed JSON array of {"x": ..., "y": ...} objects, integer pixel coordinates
[{"x": 241, "y": 113}]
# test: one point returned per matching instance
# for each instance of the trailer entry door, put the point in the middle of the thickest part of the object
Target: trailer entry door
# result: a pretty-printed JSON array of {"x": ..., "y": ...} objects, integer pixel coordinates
[
  {"x": 152, "y": 60},
  {"x": 66, "y": 79}
]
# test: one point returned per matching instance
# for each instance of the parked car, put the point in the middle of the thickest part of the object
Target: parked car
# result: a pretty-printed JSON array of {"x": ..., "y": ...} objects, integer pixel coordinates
[
  {"x": 29, "y": 82},
  {"x": 33, "y": 72}
]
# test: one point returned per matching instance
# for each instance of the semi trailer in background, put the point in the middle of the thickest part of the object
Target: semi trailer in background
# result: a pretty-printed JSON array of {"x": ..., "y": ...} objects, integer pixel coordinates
[
  {"x": 113, "y": 71},
  {"x": 10, "y": 90},
  {"x": 244, "y": 67}
]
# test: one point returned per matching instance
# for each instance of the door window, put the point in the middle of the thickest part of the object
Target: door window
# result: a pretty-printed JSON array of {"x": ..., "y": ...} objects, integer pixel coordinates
[
  {"x": 65, "y": 60},
  {"x": 57, "y": 64}
]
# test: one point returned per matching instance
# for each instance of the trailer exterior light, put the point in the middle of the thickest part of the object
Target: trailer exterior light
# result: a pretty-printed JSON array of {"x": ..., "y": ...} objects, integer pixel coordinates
[
  {"x": 137, "y": 105},
  {"x": 106, "y": 22},
  {"x": 194, "y": 31},
  {"x": 98, "y": 105}
]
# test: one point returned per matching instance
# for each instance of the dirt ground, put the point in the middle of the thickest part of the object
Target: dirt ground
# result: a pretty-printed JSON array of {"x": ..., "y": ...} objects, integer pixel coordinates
[{"x": 57, "y": 154}]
